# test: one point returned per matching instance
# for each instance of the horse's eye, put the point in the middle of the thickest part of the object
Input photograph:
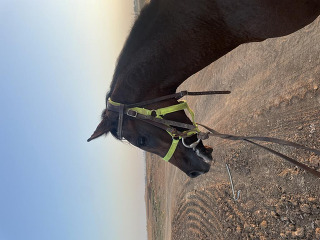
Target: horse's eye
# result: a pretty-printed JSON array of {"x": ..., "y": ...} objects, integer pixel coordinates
[{"x": 142, "y": 141}]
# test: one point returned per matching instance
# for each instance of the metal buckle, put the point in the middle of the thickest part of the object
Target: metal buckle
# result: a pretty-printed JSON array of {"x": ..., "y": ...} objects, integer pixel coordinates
[
  {"x": 183, "y": 93},
  {"x": 132, "y": 113}
]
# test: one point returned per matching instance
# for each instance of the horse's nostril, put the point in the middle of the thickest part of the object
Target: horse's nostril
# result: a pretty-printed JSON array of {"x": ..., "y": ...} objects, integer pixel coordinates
[{"x": 194, "y": 174}]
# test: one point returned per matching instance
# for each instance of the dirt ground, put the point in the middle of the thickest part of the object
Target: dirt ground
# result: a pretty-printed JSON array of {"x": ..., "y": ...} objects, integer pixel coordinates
[{"x": 275, "y": 92}]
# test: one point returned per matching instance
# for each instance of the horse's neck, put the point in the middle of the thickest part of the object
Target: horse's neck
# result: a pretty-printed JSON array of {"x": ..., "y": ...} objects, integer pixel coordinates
[
  {"x": 172, "y": 40},
  {"x": 166, "y": 46}
]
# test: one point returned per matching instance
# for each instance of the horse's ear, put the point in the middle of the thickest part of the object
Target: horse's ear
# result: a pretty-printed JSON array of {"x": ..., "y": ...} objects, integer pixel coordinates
[{"x": 103, "y": 127}]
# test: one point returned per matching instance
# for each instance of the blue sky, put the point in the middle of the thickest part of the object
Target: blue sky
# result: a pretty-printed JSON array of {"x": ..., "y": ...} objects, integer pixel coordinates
[{"x": 56, "y": 62}]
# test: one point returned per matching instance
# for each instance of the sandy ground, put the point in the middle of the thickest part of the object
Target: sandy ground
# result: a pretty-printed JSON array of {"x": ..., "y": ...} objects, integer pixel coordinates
[{"x": 275, "y": 92}]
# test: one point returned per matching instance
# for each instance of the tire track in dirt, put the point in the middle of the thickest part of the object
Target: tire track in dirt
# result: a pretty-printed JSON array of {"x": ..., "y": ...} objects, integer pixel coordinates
[
  {"x": 195, "y": 216},
  {"x": 199, "y": 215},
  {"x": 211, "y": 214}
]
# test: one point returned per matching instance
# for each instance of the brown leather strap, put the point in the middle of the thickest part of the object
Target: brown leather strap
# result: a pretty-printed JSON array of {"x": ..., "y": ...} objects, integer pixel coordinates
[
  {"x": 160, "y": 120},
  {"x": 295, "y": 162},
  {"x": 207, "y": 93},
  {"x": 176, "y": 96},
  {"x": 272, "y": 140},
  {"x": 173, "y": 131},
  {"x": 265, "y": 139},
  {"x": 121, "y": 108}
]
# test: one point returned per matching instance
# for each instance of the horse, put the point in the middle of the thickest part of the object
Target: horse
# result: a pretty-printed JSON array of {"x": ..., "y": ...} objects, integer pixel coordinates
[{"x": 169, "y": 42}]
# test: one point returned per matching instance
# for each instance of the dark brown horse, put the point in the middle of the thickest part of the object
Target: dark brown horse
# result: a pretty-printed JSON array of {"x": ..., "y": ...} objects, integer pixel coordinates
[{"x": 170, "y": 41}]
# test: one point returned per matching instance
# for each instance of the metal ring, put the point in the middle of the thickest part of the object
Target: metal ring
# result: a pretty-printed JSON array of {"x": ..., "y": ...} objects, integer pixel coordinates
[
  {"x": 132, "y": 113},
  {"x": 192, "y": 145}
]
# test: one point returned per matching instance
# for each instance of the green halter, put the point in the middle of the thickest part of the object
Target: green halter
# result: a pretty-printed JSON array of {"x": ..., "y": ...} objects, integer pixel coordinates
[{"x": 160, "y": 112}]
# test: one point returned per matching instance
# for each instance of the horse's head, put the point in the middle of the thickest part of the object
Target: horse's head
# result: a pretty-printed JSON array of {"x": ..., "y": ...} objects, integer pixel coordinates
[{"x": 190, "y": 155}]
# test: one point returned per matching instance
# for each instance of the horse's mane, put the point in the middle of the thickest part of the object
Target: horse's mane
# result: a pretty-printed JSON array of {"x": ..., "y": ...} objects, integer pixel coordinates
[{"x": 141, "y": 29}]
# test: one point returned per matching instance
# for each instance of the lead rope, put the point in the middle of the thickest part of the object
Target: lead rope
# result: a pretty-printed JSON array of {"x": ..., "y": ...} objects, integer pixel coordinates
[{"x": 214, "y": 133}]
